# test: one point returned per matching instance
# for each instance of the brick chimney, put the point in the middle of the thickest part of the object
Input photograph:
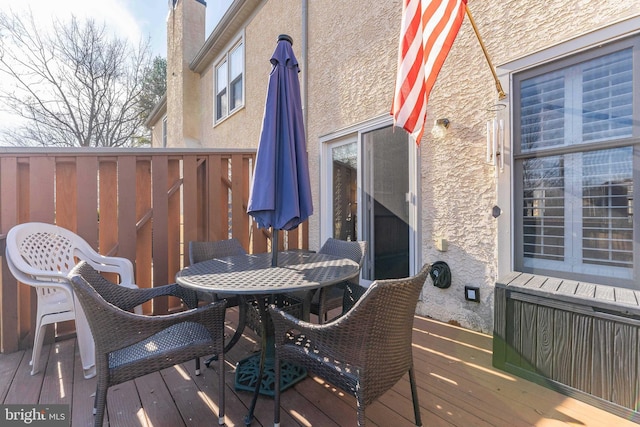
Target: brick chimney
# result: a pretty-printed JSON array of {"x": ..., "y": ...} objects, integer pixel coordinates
[{"x": 185, "y": 37}]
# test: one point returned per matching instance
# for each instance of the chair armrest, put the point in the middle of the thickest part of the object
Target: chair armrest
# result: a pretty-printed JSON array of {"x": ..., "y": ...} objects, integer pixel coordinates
[
  {"x": 127, "y": 298},
  {"x": 109, "y": 322},
  {"x": 109, "y": 264},
  {"x": 334, "y": 338}
]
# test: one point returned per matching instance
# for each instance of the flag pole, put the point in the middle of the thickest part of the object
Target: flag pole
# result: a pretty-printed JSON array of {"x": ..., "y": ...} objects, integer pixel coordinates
[{"x": 501, "y": 94}]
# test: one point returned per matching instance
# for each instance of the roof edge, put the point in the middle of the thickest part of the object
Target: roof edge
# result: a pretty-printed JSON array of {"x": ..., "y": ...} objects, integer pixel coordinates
[
  {"x": 159, "y": 110},
  {"x": 232, "y": 21}
]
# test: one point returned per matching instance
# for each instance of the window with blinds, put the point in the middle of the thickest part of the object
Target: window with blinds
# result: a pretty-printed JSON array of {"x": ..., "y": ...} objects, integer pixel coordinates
[{"x": 575, "y": 140}]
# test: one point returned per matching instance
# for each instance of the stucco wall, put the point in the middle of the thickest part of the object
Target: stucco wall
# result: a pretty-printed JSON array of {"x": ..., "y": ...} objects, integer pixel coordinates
[
  {"x": 351, "y": 73},
  {"x": 352, "y": 63},
  {"x": 185, "y": 36},
  {"x": 242, "y": 128}
]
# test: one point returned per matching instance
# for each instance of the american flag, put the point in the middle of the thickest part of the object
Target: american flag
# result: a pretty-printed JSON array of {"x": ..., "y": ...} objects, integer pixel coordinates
[{"x": 427, "y": 33}]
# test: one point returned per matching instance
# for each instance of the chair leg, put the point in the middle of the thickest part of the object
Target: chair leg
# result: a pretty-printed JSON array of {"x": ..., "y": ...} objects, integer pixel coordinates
[
  {"x": 100, "y": 405},
  {"x": 38, "y": 341},
  {"x": 276, "y": 391},
  {"x": 414, "y": 395},
  {"x": 360, "y": 407},
  {"x": 86, "y": 344},
  {"x": 221, "y": 387},
  {"x": 198, "y": 366}
]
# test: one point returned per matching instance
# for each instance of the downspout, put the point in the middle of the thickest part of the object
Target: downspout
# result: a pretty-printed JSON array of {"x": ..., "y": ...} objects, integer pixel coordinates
[
  {"x": 304, "y": 47},
  {"x": 303, "y": 91}
]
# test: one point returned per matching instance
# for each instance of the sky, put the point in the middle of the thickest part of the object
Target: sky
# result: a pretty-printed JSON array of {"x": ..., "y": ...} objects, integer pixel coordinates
[{"x": 133, "y": 19}]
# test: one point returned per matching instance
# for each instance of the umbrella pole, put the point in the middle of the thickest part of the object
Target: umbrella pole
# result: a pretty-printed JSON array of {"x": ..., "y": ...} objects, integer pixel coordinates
[{"x": 274, "y": 247}]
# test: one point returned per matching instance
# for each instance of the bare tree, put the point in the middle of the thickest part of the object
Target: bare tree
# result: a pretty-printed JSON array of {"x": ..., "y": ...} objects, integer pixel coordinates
[{"x": 74, "y": 86}]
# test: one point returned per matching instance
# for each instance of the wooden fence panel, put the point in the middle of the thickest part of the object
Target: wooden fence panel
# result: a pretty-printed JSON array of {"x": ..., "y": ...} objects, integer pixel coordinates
[
  {"x": 144, "y": 228},
  {"x": 159, "y": 166},
  {"x": 126, "y": 209},
  {"x": 190, "y": 201},
  {"x": 42, "y": 208},
  {"x": 108, "y": 201},
  {"x": 9, "y": 289},
  {"x": 219, "y": 198},
  {"x": 24, "y": 303},
  {"x": 87, "y": 200},
  {"x": 175, "y": 226},
  {"x": 144, "y": 205},
  {"x": 66, "y": 215},
  {"x": 238, "y": 203}
]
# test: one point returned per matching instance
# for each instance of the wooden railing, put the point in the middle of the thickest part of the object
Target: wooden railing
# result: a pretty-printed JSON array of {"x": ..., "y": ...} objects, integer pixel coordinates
[{"x": 145, "y": 205}]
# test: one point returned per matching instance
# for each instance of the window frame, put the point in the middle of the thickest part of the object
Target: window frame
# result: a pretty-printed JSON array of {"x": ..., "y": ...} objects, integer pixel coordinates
[
  {"x": 225, "y": 60},
  {"x": 519, "y": 157}
]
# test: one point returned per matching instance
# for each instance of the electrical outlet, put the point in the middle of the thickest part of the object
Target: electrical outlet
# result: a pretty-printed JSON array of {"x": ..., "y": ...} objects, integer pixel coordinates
[{"x": 472, "y": 293}]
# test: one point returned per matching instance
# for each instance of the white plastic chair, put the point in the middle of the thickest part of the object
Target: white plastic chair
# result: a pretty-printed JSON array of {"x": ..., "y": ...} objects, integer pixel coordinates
[{"x": 41, "y": 255}]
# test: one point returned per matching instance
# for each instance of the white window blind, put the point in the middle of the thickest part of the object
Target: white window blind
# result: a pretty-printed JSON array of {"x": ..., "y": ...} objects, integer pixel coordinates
[
  {"x": 607, "y": 196},
  {"x": 607, "y": 95},
  {"x": 544, "y": 222},
  {"x": 576, "y": 190}
]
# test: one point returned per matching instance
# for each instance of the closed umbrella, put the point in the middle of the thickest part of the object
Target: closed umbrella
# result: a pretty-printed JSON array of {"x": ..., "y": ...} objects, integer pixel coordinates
[{"x": 280, "y": 196}]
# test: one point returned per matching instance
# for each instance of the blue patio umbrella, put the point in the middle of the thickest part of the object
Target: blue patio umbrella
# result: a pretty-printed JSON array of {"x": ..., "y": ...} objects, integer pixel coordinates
[{"x": 280, "y": 196}]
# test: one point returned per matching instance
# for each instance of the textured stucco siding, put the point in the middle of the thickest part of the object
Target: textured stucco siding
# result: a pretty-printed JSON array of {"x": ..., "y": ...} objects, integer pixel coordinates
[
  {"x": 185, "y": 35},
  {"x": 352, "y": 60},
  {"x": 242, "y": 128}
]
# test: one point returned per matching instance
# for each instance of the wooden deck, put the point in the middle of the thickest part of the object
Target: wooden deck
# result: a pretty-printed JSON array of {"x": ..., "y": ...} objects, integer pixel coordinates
[{"x": 457, "y": 387}]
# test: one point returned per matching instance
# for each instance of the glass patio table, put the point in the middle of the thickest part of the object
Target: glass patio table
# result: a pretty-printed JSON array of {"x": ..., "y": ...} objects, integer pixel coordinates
[{"x": 252, "y": 275}]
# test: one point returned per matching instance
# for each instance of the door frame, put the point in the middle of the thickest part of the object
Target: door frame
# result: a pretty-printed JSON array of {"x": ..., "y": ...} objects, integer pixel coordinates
[{"x": 355, "y": 134}]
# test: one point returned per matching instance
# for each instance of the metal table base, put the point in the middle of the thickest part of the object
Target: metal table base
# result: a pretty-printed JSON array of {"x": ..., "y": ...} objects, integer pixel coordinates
[{"x": 248, "y": 372}]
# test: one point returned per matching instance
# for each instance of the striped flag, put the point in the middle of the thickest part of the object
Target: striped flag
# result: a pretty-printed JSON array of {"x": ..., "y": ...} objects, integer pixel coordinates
[{"x": 428, "y": 30}]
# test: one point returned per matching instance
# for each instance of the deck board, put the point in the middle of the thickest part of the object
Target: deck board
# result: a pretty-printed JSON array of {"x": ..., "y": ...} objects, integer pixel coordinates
[
  {"x": 57, "y": 379},
  {"x": 124, "y": 406},
  {"x": 457, "y": 386},
  {"x": 157, "y": 401}
]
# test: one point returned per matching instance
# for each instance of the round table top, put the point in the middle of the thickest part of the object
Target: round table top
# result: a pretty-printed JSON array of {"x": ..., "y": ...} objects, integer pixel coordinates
[{"x": 253, "y": 274}]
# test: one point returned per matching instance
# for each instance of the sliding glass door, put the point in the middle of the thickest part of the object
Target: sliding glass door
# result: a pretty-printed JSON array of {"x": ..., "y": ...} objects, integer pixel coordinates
[{"x": 370, "y": 193}]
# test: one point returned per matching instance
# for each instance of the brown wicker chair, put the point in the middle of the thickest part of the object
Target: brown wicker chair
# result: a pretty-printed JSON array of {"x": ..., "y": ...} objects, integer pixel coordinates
[
  {"x": 205, "y": 250},
  {"x": 330, "y": 297},
  {"x": 364, "y": 352},
  {"x": 131, "y": 345}
]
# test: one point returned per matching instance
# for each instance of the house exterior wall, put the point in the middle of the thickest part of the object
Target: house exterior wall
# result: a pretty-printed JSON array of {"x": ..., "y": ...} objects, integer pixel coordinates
[
  {"x": 352, "y": 63},
  {"x": 242, "y": 128},
  {"x": 352, "y": 56},
  {"x": 185, "y": 37}
]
